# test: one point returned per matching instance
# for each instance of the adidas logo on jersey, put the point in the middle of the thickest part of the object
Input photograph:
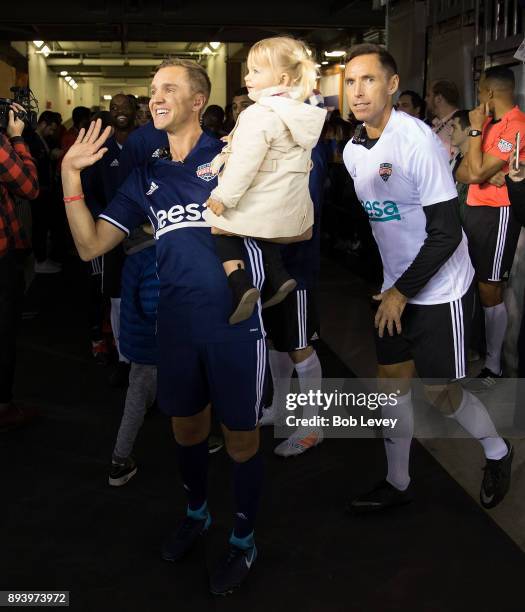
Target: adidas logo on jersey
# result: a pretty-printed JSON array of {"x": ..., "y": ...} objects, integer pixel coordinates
[
  {"x": 381, "y": 211},
  {"x": 153, "y": 187},
  {"x": 114, "y": 163}
]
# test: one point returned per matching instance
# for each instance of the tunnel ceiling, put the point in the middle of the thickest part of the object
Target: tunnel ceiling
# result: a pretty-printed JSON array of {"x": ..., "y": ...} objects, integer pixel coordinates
[{"x": 317, "y": 22}]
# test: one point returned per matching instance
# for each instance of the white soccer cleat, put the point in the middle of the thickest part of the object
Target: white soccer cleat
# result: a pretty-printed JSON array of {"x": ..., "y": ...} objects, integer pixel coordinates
[
  {"x": 268, "y": 416},
  {"x": 299, "y": 442}
]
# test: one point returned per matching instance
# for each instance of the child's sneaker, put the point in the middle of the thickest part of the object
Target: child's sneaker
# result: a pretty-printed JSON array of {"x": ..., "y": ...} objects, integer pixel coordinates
[
  {"x": 121, "y": 473},
  {"x": 279, "y": 290},
  {"x": 245, "y": 296}
]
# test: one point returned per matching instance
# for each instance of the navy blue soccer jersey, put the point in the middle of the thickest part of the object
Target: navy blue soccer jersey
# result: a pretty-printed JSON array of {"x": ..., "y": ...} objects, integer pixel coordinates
[
  {"x": 141, "y": 146},
  {"x": 101, "y": 180},
  {"x": 195, "y": 299},
  {"x": 302, "y": 259}
]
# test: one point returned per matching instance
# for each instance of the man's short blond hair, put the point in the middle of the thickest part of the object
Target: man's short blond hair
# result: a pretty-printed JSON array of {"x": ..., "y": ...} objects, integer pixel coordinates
[{"x": 197, "y": 75}]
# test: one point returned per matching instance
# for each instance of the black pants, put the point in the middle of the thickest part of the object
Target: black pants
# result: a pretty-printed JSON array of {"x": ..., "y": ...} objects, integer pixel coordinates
[
  {"x": 48, "y": 217},
  {"x": 11, "y": 293}
]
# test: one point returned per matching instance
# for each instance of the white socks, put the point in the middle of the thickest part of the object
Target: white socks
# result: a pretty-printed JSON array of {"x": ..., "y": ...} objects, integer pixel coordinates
[
  {"x": 281, "y": 367},
  {"x": 495, "y": 328},
  {"x": 309, "y": 373},
  {"x": 474, "y": 418},
  {"x": 398, "y": 448}
]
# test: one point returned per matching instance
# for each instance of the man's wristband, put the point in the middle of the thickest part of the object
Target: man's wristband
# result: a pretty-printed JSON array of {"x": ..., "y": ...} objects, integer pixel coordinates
[
  {"x": 475, "y": 133},
  {"x": 69, "y": 199}
]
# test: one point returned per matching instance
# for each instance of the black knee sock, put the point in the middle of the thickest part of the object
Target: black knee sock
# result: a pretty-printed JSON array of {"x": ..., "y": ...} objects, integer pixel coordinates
[
  {"x": 247, "y": 480},
  {"x": 229, "y": 247},
  {"x": 193, "y": 464}
]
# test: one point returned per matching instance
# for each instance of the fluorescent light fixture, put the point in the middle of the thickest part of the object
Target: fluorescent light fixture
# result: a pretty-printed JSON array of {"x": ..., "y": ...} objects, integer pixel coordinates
[
  {"x": 72, "y": 83},
  {"x": 75, "y": 85},
  {"x": 67, "y": 79},
  {"x": 215, "y": 45},
  {"x": 342, "y": 65},
  {"x": 318, "y": 65},
  {"x": 38, "y": 43},
  {"x": 63, "y": 73},
  {"x": 207, "y": 51},
  {"x": 335, "y": 53},
  {"x": 45, "y": 50},
  {"x": 107, "y": 97},
  {"x": 324, "y": 63}
]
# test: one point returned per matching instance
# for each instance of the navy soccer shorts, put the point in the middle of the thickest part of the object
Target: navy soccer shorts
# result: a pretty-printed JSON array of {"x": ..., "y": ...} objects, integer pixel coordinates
[{"x": 228, "y": 375}]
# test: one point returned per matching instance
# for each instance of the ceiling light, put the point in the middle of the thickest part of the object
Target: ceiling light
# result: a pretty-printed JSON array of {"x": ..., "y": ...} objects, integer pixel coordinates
[
  {"x": 215, "y": 45},
  {"x": 318, "y": 65},
  {"x": 72, "y": 83},
  {"x": 342, "y": 65},
  {"x": 45, "y": 51},
  {"x": 75, "y": 85},
  {"x": 68, "y": 78},
  {"x": 335, "y": 53},
  {"x": 63, "y": 73},
  {"x": 207, "y": 51},
  {"x": 38, "y": 43},
  {"x": 107, "y": 97},
  {"x": 324, "y": 63}
]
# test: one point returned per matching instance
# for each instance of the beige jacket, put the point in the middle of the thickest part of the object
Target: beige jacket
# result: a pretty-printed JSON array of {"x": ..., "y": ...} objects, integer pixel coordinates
[{"x": 264, "y": 180}]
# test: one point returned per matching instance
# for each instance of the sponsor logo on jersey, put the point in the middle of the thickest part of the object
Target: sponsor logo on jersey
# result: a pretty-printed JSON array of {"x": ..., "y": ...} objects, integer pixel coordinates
[
  {"x": 153, "y": 187},
  {"x": 114, "y": 163},
  {"x": 178, "y": 214},
  {"x": 204, "y": 172},
  {"x": 381, "y": 211},
  {"x": 505, "y": 146},
  {"x": 385, "y": 171},
  {"x": 157, "y": 153}
]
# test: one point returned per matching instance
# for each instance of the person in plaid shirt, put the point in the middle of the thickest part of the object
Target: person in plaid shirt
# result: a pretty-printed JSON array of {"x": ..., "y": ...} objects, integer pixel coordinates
[{"x": 18, "y": 177}]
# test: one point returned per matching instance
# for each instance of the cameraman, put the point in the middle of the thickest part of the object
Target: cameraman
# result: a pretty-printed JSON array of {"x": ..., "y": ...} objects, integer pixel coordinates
[{"x": 18, "y": 177}]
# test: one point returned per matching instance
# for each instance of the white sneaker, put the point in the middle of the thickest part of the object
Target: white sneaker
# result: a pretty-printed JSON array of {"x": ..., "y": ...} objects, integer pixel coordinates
[
  {"x": 268, "y": 417},
  {"x": 47, "y": 267},
  {"x": 299, "y": 442}
]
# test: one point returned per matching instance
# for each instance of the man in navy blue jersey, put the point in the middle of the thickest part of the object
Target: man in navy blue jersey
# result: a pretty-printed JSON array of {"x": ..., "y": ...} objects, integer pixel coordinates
[{"x": 202, "y": 359}]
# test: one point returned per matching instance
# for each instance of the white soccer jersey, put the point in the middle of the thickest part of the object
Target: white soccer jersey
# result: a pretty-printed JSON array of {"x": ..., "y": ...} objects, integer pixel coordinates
[{"x": 406, "y": 169}]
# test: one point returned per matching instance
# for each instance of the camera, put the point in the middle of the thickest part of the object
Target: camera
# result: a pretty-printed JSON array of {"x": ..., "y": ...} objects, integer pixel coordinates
[{"x": 25, "y": 97}]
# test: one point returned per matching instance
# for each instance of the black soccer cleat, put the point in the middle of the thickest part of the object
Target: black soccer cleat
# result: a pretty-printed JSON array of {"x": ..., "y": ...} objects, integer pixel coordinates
[
  {"x": 232, "y": 570},
  {"x": 496, "y": 479},
  {"x": 182, "y": 540},
  {"x": 382, "y": 497},
  {"x": 244, "y": 296}
]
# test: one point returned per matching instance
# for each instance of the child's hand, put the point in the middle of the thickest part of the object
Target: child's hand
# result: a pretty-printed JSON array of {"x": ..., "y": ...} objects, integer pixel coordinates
[{"x": 216, "y": 207}]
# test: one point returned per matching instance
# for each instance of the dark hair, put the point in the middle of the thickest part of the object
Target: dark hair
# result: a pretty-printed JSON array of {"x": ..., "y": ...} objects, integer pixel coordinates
[
  {"x": 214, "y": 111},
  {"x": 386, "y": 59},
  {"x": 447, "y": 90},
  {"x": 80, "y": 114},
  {"x": 48, "y": 117},
  {"x": 502, "y": 75},
  {"x": 417, "y": 100},
  {"x": 104, "y": 116},
  {"x": 464, "y": 120},
  {"x": 143, "y": 100},
  {"x": 242, "y": 91}
]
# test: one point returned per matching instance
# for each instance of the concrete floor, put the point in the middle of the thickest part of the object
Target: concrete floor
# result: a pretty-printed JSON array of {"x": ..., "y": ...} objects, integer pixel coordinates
[{"x": 347, "y": 329}]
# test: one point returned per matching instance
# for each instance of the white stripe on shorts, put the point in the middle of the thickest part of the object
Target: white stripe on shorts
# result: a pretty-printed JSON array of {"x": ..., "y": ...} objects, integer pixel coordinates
[
  {"x": 301, "y": 318},
  {"x": 500, "y": 243},
  {"x": 458, "y": 334},
  {"x": 261, "y": 367}
]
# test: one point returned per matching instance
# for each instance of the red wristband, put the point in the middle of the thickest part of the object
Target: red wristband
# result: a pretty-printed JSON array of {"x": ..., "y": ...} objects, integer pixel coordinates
[{"x": 80, "y": 196}]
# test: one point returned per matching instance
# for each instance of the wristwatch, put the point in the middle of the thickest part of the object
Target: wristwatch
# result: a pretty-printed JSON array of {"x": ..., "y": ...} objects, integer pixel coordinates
[{"x": 474, "y": 133}]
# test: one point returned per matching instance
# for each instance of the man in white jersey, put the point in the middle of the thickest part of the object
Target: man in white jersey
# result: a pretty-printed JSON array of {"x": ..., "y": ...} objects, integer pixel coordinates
[{"x": 403, "y": 180}]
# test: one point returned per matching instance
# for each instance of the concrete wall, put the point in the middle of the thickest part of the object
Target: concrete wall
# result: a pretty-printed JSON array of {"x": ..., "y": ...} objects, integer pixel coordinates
[{"x": 217, "y": 72}]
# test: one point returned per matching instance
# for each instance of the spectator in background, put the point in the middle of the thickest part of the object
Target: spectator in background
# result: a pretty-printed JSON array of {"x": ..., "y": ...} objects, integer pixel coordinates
[
  {"x": 213, "y": 121},
  {"x": 143, "y": 113},
  {"x": 460, "y": 139},
  {"x": 411, "y": 103},
  {"x": 442, "y": 102},
  {"x": 44, "y": 214},
  {"x": 241, "y": 100},
  {"x": 18, "y": 177},
  {"x": 228, "y": 118},
  {"x": 81, "y": 116}
]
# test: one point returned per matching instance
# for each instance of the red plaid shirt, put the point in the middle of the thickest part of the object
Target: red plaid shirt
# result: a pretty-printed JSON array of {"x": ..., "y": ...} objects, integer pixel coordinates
[{"x": 18, "y": 177}]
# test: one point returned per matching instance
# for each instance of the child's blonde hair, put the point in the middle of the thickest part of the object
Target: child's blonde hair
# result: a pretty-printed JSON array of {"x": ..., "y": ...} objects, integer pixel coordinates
[{"x": 285, "y": 54}]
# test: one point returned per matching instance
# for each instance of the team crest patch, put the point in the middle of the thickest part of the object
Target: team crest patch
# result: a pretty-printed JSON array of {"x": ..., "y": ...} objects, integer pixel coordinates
[
  {"x": 385, "y": 171},
  {"x": 505, "y": 146},
  {"x": 204, "y": 172}
]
